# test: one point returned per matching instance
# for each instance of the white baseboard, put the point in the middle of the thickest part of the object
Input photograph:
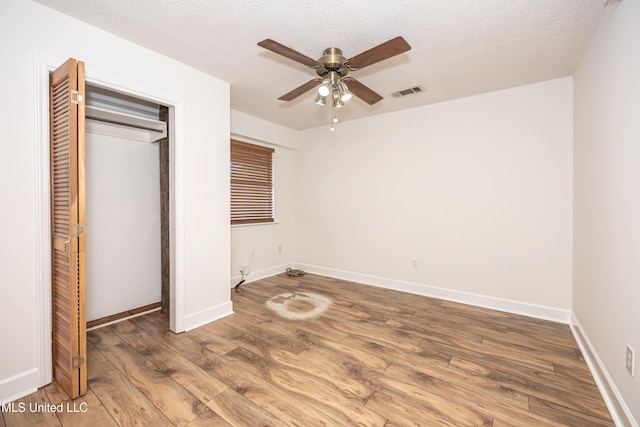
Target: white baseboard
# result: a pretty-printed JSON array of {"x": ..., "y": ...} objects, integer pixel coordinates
[
  {"x": 19, "y": 385},
  {"x": 620, "y": 412},
  {"x": 260, "y": 274},
  {"x": 515, "y": 307},
  {"x": 202, "y": 317}
]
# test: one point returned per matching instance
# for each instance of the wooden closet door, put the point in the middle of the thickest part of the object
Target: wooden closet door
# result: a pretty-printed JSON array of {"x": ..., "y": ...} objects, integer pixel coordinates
[{"x": 66, "y": 93}]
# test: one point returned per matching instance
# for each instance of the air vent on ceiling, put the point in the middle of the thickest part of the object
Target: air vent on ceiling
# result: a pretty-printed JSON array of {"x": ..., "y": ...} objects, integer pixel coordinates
[{"x": 406, "y": 92}]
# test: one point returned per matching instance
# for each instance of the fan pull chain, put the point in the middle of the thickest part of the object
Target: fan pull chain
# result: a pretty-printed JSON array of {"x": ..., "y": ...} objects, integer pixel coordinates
[{"x": 334, "y": 119}]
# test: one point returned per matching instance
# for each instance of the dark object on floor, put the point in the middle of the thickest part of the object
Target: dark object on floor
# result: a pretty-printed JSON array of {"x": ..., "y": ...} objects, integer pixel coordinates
[{"x": 294, "y": 273}]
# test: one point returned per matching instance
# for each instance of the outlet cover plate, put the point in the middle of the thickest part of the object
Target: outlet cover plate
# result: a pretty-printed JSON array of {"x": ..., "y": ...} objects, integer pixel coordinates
[{"x": 631, "y": 365}]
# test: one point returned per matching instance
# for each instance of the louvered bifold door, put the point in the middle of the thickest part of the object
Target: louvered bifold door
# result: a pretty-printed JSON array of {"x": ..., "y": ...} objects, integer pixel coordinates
[{"x": 66, "y": 92}]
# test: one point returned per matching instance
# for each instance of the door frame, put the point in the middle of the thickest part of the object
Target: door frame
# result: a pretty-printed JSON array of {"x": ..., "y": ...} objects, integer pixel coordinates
[{"x": 43, "y": 65}]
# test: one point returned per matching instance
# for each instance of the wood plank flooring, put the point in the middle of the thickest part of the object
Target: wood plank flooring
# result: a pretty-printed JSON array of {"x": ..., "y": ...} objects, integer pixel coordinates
[{"x": 375, "y": 357}]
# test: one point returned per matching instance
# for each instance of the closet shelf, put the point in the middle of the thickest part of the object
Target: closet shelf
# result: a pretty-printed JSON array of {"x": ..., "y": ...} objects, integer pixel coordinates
[{"x": 122, "y": 125}]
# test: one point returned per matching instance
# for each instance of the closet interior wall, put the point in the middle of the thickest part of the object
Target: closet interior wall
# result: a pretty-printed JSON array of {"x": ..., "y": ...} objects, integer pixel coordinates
[{"x": 123, "y": 207}]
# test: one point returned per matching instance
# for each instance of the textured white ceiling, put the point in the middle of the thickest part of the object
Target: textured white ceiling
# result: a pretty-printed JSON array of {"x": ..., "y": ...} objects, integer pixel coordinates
[{"x": 459, "y": 47}]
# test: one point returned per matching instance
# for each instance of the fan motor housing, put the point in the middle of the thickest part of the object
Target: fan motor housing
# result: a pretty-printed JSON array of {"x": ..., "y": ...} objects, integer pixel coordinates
[{"x": 332, "y": 60}]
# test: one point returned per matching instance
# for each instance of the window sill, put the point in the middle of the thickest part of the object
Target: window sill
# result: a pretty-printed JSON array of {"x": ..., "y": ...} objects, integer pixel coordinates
[{"x": 255, "y": 224}]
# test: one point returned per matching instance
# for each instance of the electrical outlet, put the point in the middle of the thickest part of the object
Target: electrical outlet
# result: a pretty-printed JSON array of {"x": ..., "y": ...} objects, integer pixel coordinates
[
  {"x": 631, "y": 360},
  {"x": 414, "y": 263},
  {"x": 279, "y": 249},
  {"x": 246, "y": 269}
]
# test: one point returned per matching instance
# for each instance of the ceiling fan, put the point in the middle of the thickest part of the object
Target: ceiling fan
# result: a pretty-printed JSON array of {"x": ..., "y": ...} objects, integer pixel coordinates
[{"x": 332, "y": 69}]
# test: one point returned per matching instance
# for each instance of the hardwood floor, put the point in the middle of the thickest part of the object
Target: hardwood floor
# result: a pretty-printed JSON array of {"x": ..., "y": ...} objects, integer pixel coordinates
[{"x": 374, "y": 357}]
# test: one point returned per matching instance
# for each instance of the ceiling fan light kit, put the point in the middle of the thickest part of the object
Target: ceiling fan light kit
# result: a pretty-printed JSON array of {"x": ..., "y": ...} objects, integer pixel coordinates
[
  {"x": 332, "y": 68},
  {"x": 337, "y": 102},
  {"x": 345, "y": 95},
  {"x": 325, "y": 87}
]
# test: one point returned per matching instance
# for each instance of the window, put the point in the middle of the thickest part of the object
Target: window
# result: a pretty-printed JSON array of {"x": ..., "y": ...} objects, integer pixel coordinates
[{"x": 251, "y": 183}]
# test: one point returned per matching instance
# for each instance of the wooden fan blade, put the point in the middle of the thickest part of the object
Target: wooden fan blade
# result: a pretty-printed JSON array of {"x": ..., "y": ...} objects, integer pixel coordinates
[
  {"x": 362, "y": 91},
  {"x": 300, "y": 90},
  {"x": 281, "y": 49},
  {"x": 379, "y": 53}
]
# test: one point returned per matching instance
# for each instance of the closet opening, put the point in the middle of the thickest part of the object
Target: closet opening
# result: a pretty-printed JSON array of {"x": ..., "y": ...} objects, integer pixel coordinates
[
  {"x": 61, "y": 221},
  {"x": 128, "y": 247}
]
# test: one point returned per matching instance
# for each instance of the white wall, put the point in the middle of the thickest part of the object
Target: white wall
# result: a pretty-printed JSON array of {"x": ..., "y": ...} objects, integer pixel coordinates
[
  {"x": 477, "y": 190},
  {"x": 28, "y": 31},
  {"x": 257, "y": 245},
  {"x": 123, "y": 214},
  {"x": 606, "y": 278}
]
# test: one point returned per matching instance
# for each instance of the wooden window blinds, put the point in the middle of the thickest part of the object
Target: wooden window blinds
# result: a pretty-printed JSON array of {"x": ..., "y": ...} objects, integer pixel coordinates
[{"x": 251, "y": 183}]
